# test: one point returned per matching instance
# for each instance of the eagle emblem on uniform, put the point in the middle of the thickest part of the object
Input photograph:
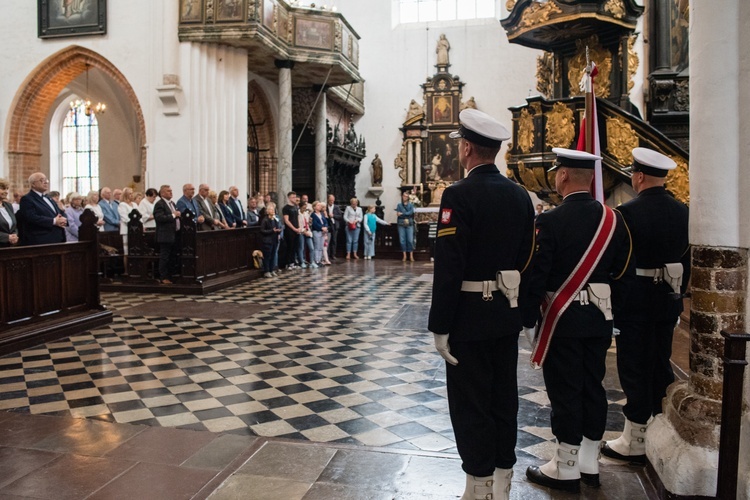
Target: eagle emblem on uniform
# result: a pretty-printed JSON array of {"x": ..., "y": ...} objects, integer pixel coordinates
[{"x": 445, "y": 216}]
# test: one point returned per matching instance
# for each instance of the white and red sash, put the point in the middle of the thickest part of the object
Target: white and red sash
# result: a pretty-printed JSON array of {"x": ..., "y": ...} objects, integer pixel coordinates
[{"x": 563, "y": 297}]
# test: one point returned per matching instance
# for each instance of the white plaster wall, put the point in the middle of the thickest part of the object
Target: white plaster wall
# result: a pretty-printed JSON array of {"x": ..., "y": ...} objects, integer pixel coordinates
[
  {"x": 395, "y": 61},
  {"x": 206, "y": 142}
]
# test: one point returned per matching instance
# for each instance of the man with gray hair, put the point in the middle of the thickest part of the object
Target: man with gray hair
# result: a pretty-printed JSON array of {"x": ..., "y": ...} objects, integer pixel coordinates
[{"x": 41, "y": 221}]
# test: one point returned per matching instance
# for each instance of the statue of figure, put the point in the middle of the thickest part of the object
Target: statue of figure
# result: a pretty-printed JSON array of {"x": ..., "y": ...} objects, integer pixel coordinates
[
  {"x": 442, "y": 51},
  {"x": 377, "y": 171},
  {"x": 471, "y": 103},
  {"x": 414, "y": 110},
  {"x": 351, "y": 138}
]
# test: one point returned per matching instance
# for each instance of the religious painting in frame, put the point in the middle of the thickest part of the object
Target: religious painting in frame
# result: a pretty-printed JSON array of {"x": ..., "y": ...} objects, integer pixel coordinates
[
  {"x": 442, "y": 109},
  {"x": 61, "y": 18},
  {"x": 191, "y": 11},
  {"x": 230, "y": 10},
  {"x": 442, "y": 160},
  {"x": 313, "y": 34}
]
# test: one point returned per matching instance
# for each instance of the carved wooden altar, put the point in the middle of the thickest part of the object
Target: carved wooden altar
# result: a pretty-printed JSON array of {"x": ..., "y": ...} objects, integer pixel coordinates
[{"x": 428, "y": 160}]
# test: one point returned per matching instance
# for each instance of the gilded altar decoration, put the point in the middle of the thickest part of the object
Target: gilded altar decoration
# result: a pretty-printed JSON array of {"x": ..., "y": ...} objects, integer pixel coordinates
[
  {"x": 616, "y": 8},
  {"x": 678, "y": 180},
  {"x": 621, "y": 140},
  {"x": 400, "y": 163},
  {"x": 560, "y": 127},
  {"x": 528, "y": 178},
  {"x": 525, "y": 131},
  {"x": 538, "y": 13},
  {"x": 633, "y": 60},
  {"x": 545, "y": 74},
  {"x": 577, "y": 64},
  {"x": 510, "y": 4}
]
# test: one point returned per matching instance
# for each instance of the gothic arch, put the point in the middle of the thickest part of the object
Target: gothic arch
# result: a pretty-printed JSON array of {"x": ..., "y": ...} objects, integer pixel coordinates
[
  {"x": 261, "y": 140},
  {"x": 35, "y": 99}
]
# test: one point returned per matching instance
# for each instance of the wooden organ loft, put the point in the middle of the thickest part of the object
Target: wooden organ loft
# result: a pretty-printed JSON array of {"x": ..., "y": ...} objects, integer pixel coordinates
[{"x": 563, "y": 29}]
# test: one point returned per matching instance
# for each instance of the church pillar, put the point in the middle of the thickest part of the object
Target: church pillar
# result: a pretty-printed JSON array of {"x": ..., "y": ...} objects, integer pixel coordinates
[
  {"x": 321, "y": 153},
  {"x": 682, "y": 443},
  {"x": 285, "y": 129}
]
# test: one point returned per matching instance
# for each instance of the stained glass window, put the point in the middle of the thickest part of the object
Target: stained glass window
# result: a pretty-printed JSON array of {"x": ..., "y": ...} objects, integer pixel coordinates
[
  {"x": 420, "y": 11},
  {"x": 80, "y": 152}
]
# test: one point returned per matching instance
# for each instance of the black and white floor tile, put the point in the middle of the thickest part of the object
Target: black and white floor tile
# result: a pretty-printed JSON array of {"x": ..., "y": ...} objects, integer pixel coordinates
[{"x": 333, "y": 355}]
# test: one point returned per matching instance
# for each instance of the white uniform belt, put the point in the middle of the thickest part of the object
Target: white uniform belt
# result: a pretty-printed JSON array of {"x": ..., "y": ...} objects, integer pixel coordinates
[
  {"x": 651, "y": 273},
  {"x": 582, "y": 297},
  {"x": 479, "y": 286}
]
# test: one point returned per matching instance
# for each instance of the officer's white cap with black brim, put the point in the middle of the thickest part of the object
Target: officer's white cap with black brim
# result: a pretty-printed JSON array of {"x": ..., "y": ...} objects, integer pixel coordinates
[
  {"x": 651, "y": 162},
  {"x": 480, "y": 128},
  {"x": 573, "y": 158}
]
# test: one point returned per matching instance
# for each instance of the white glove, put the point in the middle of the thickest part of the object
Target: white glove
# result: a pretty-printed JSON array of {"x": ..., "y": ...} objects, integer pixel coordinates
[
  {"x": 441, "y": 344},
  {"x": 530, "y": 334}
]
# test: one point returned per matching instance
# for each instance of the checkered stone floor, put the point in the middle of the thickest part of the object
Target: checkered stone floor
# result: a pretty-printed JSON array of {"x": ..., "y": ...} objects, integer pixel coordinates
[{"x": 340, "y": 355}]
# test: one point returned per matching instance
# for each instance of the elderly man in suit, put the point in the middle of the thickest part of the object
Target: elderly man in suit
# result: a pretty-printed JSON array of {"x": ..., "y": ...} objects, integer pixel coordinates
[
  {"x": 167, "y": 219},
  {"x": 42, "y": 222},
  {"x": 109, "y": 210},
  {"x": 8, "y": 224},
  {"x": 237, "y": 207},
  {"x": 211, "y": 218},
  {"x": 188, "y": 203}
]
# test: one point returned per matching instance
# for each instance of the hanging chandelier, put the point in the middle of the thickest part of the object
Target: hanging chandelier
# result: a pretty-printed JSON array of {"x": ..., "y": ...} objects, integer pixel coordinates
[{"x": 85, "y": 104}]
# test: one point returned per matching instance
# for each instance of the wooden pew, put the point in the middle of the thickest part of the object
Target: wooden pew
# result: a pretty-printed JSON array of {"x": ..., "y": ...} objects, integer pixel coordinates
[
  {"x": 50, "y": 291},
  {"x": 208, "y": 260}
]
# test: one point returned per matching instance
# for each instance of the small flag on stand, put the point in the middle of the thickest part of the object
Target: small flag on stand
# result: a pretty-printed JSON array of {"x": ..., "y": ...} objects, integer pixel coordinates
[{"x": 588, "y": 139}]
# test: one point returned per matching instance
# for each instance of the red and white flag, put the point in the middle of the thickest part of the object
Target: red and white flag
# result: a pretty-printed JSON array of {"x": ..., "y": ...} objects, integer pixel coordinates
[{"x": 588, "y": 139}]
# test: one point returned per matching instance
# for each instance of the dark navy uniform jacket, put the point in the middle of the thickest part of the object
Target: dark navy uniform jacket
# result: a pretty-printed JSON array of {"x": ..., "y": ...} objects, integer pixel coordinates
[
  {"x": 563, "y": 235},
  {"x": 485, "y": 225},
  {"x": 659, "y": 227}
]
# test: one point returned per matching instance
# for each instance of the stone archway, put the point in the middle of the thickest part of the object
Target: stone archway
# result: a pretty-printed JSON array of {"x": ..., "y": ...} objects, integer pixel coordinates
[
  {"x": 34, "y": 101},
  {"x": 261, "y": 141}
]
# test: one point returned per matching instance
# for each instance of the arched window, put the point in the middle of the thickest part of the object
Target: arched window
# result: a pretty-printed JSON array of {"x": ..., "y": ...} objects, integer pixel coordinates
[{"x": 80, "y": 151}]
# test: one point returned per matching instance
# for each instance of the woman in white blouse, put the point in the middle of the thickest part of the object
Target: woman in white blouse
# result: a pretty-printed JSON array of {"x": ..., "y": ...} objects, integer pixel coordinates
[
  {"x": 146, "y": 208},
  {"x": 92, "y": 203},
  {"x": 353, "y": 220},
  {"x": 126, "y": 206}
]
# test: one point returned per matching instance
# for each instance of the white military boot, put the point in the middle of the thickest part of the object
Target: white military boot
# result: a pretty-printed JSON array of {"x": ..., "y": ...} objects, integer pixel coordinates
[
  {"x": 478, "y": 488},
  {"x": 588, "y": 462},
  {"x": 501, "y": 488},
  {"x": 560, "y": 473},
  {"x": 630, "y": 446}
]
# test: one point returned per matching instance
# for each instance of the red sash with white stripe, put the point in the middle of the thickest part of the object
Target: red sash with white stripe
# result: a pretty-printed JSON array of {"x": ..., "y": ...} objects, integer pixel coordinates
[{"x": 563, "y": 297}]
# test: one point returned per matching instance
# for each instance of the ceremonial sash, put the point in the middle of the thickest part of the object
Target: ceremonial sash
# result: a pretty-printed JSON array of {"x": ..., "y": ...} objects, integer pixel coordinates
[{"x": 563, "y": 297}]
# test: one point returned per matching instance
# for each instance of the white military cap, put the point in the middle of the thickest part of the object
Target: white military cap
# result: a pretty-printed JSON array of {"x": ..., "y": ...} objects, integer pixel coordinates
[
  {"x": 480, "y": 128},
  {"x": 572, "y": 158},
  {"x": 651, "y": 162}
]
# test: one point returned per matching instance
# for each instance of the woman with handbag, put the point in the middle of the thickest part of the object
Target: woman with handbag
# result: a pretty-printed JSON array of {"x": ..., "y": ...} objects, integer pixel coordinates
[
  {"x": 353, "y": 220},
  {"x": 405, "y": 213}
]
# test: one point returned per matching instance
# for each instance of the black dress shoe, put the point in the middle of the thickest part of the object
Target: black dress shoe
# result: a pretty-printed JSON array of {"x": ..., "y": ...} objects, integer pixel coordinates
[
  {"x": 591, "y": 480},
  {"x": 633, "y": 459},
  {"x": 535, "y": 475}
]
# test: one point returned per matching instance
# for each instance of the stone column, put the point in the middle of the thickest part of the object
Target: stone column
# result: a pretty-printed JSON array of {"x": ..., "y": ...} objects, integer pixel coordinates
[
  {"x": 321, "y": 152},
  {"x": 682, "y": 443},
  {"x": 284, "y": 174},
  {"x": 664, "y": 32}
]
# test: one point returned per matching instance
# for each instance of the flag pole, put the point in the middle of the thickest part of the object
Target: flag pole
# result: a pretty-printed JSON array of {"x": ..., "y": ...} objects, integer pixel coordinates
[{"x": 588, "y": 113}]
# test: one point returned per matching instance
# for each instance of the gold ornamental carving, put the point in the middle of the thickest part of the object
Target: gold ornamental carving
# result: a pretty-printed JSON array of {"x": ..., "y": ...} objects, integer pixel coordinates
[
  {"x": 603, "y": 59},
  {"x": 633, "y": 60},
  {"x": 525, "y": 131},
  {"x": 510, "y": 4},
  {"x": 400, "y": 163},
  {"x": 616, "y": 8},
  {"x": 560, "y": 128},
  {"x": 621, "y": 140},
  {"x": 546, "y": 75},
  {"x": 678, "y": 180},
  {"x": 538, "y": 13},
  {"x": 528, "y": 178}
]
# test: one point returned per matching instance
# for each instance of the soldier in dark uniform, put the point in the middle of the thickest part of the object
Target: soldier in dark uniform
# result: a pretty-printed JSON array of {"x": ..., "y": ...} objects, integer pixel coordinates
[
  {"x": 659, "y": 227},
  {"x": 575, "y": 362},
  {"x": 484, "y": 242}
]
